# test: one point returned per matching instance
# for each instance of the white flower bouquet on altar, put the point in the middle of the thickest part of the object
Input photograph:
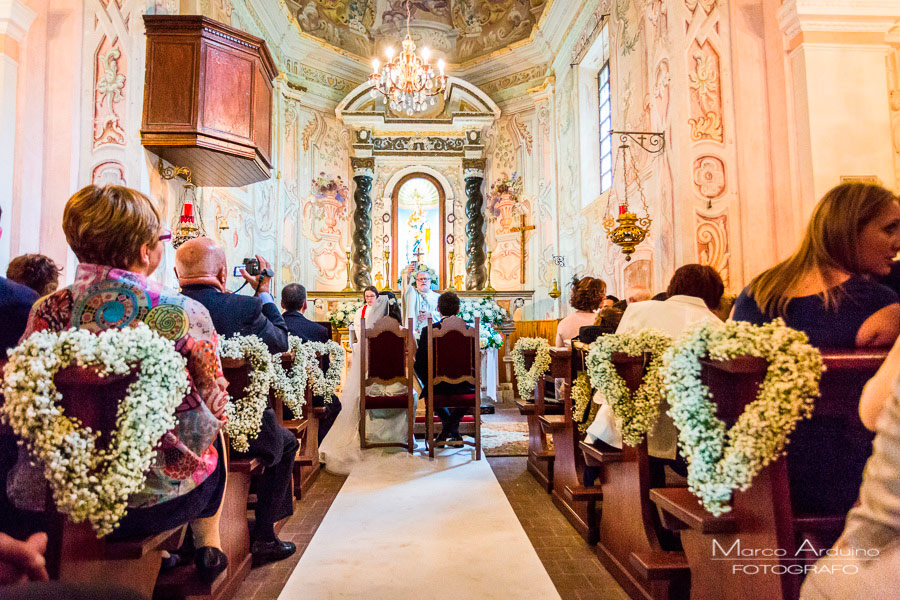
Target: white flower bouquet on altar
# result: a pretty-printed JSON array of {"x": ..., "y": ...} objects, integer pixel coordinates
[
  {"x": 343, "y": 314},
  {"x": 486, "y": 309},
  {"x": 489, "y": 337}
]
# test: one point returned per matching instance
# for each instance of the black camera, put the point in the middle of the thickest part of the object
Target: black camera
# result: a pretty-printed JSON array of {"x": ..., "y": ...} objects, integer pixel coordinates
[{"x": 251, "y": 267}]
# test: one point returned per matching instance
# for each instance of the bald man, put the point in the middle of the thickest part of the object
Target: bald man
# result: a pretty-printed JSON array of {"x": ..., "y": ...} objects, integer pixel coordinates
[
  {"x": 637, "y": 293},
  {"x": 202, "y": 270}
]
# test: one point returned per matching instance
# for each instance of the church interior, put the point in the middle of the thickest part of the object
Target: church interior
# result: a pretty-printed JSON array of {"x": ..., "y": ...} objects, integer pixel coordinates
[{"x": 578, "y": 299}]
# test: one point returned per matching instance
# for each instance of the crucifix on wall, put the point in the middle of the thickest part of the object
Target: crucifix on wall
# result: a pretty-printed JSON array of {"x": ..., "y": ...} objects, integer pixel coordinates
[{"x": 522, "y": 229}]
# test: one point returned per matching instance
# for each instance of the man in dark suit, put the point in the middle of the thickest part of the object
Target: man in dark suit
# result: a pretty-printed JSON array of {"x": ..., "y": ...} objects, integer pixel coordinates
[
  {"x": 293, "y": 301},
  {"x": 202, "y": 271},
  {"x": 15, "y": 304},
  {"x": 448, "y": 306}
]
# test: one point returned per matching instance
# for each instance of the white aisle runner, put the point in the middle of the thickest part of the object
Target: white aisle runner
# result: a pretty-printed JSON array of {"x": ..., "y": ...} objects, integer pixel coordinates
[{"x": 403, "y": 527}]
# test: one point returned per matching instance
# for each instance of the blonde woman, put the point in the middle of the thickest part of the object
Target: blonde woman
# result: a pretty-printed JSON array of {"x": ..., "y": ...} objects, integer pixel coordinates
[{"x": 828, "y": 289}]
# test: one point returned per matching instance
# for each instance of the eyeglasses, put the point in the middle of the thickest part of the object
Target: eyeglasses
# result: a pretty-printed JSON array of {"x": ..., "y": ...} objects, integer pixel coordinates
[{"x": 165, "y": 236}]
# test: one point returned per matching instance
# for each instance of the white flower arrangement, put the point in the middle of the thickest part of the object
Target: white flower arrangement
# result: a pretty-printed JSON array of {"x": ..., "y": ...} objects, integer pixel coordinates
[
  {"x": 721, "y": 461},
  {"x": 88, "y": 483},
  {"x": 343, "y": 313},
  {"x": 245, "y": 414},
  {"x": 635, "y": 415},
  {"x": 488, "y": 337},
  {"x": 290, "y": 386},
  {"x": 527, "y": 379},
  {"x": 324, "y": 384},
  {"x": 581, "y": 401},
  {"x": 486, "y": 309}
]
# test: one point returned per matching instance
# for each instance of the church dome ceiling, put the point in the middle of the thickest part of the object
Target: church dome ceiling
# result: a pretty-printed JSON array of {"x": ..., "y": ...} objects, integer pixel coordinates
[{"x": 456, "y": 30}]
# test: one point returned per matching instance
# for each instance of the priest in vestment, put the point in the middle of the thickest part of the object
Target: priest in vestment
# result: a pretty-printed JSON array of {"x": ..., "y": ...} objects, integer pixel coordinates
[{"x": 419, "y": 300}]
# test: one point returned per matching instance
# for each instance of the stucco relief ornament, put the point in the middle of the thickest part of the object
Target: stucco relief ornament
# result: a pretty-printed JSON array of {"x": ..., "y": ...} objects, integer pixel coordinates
[
  {"x": 709, "y": 178},
  {"x": 109, "y": 90}
]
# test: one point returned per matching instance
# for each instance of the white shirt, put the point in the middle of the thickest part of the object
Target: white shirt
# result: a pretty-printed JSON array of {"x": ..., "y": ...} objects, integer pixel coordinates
[
  {"x": 415, "y": 302},
  {"x": 672, "y": 317}
]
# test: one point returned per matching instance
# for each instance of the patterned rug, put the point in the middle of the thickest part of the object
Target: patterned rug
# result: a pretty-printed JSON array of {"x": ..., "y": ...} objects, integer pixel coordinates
[{"x": 505, "y": 439}]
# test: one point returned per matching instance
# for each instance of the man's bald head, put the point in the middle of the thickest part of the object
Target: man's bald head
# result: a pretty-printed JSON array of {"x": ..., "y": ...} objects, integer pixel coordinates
[
  {"x": 637, "y": 293},
  {"x": 201, "y": 260}
]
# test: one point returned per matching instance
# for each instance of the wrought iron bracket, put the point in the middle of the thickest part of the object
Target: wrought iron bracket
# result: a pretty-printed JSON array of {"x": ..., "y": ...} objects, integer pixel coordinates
[
  {"x": 173, "y": 171},
  {"x": 648, "y": 140}
]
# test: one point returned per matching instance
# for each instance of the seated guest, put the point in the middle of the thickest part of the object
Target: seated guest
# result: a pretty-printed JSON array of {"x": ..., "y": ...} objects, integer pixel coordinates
[
  {"x": 609, "y": 302},
  {"x": 118, "y": 236},
  {"x": 828, "y": 290},
  {"x": 448, "y": 306},
  {"x": 15, "y": 303},
  {"x": 587, "y": 296},
  {"x": 608, "y": 319},
  {"x": 693, "y": 293},
  {"x": 202, "y": 271},
  {"x": 865, "y": 561},
  {"x": 637, "y": 293},
  {"x": 293, "y": 301},
  {"x": 37, "y": 271}
]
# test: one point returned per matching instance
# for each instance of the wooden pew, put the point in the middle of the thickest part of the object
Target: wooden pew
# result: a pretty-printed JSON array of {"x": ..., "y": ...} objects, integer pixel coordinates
[
  {"x": 74, "y": 553},
  {"x": 762, "y": 517},
  {"x": 575, "y": 500},
  {"x": 645, "y": 559},
  {"x": 182, "y": 583},
  {"x": 540, "y": 454}
]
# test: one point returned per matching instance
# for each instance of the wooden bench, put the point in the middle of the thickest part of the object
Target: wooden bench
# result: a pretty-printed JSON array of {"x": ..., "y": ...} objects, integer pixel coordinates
[
  {"x": 577, "y": 502},
  {"x": 645, "y": 559},
  {"x": 762, "y": 517},
  {"x": 540, "y": 454}
]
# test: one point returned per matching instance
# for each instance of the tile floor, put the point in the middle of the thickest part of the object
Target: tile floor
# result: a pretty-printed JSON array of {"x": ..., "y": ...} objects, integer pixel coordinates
[{"x": 571, "y": 564}]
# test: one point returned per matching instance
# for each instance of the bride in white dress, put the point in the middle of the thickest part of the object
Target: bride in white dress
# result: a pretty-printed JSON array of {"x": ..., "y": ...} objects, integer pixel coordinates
[{"x": 340, "y": 449}]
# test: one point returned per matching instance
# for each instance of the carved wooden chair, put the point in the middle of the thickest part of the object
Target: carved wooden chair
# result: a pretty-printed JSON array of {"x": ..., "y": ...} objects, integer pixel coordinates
[
  {"x": 454, "y": 356},
  {"x": 386, "y": 354}
]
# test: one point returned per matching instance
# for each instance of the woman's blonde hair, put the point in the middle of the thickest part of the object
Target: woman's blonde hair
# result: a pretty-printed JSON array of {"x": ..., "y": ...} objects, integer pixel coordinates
[
  {"x": 108, "y": 225},
  {"x": 831, "y": 242}
]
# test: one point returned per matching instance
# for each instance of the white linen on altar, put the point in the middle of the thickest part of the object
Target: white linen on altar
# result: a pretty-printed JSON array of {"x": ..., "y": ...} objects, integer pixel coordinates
[{"x": 489, "y": 373}]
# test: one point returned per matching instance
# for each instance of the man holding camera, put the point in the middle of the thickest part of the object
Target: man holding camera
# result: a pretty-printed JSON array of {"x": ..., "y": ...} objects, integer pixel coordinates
[{"x": 202, "y": 270}]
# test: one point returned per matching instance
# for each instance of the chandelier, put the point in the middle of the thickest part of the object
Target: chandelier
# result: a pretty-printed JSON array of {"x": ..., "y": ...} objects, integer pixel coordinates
[
  {"x": 407, "y": 82},
  {"x": 627, "y": 230}
]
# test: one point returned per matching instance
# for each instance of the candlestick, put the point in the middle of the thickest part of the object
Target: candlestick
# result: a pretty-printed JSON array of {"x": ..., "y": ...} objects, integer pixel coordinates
[
  {"x": 387, "y": 268},
  {"x": 488, "y": 287},
  {"x": 349, "y": 287},
  {"x": 451, "y": 286}
]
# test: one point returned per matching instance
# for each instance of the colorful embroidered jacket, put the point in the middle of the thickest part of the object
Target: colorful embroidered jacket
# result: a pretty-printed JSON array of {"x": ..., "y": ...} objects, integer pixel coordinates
[{"x": 101, "y": 298}]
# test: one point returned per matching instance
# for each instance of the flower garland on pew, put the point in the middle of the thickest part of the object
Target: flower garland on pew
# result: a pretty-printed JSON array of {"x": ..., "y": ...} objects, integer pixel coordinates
[
  {"x": 581, "y": 400},
  {"x": 721, "y": 461},
  {"x": 87, "y": 483},
  {"x": 324, "y": 384},
  {"x": 290, "y": 386},
  {"x": 527, "y": 378},
  {"x": 635, "y": 415},
  {"x": 245, "y": 414}
]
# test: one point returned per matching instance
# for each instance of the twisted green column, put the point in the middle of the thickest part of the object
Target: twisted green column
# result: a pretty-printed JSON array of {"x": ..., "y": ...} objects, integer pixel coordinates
[
  {"x": 363, "y": 173},
  {"x": 473, "y": 171}
]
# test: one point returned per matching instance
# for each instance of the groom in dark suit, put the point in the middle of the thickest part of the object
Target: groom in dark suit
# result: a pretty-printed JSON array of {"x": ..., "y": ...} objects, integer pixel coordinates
[
  {"x": 293, "y": 301},
  {"x": 202, "y": 271},
  {"x": 448, "y": 306}
]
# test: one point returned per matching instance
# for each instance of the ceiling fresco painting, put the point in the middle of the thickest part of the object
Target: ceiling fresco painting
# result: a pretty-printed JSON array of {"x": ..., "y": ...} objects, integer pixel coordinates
[{"x": 457, "y": 30}]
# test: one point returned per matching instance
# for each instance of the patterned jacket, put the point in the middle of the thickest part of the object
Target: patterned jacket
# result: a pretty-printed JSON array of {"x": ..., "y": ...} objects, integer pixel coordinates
[{"x": 102, "y": 298}]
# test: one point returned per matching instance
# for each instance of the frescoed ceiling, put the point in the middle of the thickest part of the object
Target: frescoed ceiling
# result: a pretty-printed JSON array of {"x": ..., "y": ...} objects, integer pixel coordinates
[{"x": 457, "y": 30}]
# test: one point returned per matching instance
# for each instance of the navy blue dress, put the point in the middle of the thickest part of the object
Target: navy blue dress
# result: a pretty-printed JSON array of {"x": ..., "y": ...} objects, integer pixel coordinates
[{"x": 826, "y": 456}]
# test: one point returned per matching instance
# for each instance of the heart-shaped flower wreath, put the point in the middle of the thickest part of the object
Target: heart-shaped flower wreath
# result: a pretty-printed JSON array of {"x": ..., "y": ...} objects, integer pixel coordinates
[
  {"x": 527, "y": 379},
  {"x": 290, "y": 385},
  {"x": 635, "y": 415},
  {"x": 245, "y": 414},
  {"x": 87, "y": 482},
  {"x": 324, "y": 384},
  {"x": 721, "y": 461}
]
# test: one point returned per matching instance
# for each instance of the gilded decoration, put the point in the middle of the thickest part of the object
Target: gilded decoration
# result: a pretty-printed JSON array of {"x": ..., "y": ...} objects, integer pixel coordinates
[
  {"x": 712, "y": 244},
  {"x": 517, "y": 78},
  {"x": 459, "y": 29},
  {"x": 706, "y": 99},
  {"x": 419, "y": 144}
]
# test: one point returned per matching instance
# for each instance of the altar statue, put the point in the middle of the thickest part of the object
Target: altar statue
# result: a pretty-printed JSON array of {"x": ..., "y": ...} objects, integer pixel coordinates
[{"x": 419, "y": 300}]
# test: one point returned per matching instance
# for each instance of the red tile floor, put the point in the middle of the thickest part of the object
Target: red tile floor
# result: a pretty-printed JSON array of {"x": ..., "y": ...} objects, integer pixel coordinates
[{"x": 572, "y": 564}]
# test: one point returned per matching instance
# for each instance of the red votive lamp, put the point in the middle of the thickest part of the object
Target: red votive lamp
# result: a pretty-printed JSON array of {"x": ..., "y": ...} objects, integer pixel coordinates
[{"x": 622, "y": 209}]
